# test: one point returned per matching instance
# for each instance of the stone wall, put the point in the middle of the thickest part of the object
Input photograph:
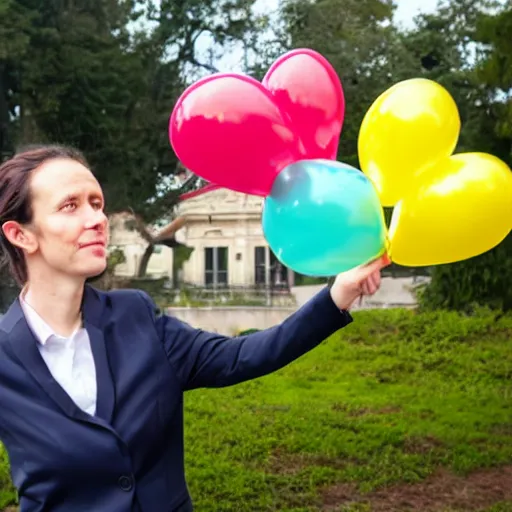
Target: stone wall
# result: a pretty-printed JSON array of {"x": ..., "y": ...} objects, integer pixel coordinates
[
  {"x": 394, "y": 292},
  {"x": 231, "y": 320}
]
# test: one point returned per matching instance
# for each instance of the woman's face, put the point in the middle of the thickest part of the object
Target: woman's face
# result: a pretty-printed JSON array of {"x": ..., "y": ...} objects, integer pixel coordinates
[{"x": 69, "y": 228}]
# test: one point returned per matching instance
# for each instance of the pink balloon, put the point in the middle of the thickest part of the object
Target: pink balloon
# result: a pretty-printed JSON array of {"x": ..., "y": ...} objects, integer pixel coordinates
[
  {"x": 227, "y": 129},
  {"x": 306, "y": 86}
]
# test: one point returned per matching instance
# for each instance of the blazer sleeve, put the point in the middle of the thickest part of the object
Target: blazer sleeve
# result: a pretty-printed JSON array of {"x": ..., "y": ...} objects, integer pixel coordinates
[{"x": 205, "y": 359}]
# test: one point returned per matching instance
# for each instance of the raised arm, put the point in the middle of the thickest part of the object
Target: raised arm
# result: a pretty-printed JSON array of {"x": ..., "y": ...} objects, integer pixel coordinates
[{"x": 205, "y": 359}]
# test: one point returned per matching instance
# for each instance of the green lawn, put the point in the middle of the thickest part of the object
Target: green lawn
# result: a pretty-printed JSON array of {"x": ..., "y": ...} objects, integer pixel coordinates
[{"x": 399, "y": 411}]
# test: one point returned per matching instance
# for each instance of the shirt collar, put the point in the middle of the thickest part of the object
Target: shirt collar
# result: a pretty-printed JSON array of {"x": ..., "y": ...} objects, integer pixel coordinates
[{"x": 40, "y": 328}]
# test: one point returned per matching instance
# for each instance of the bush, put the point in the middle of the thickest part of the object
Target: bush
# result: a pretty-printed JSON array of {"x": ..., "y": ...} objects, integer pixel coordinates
[
  {"x": 485, "y": 280},
  {"x": 246, "y": 332},
  {"x": 7, "y": 492}
]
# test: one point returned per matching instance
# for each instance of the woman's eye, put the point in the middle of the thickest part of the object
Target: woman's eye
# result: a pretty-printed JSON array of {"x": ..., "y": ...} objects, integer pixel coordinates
[
  {"x": 98, "y": 205},
  {"x": 69, "y": 207}
]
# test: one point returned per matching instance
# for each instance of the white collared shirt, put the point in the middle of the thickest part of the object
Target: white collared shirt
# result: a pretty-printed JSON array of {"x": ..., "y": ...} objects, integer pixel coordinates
[{"x": 69, "y": 360}]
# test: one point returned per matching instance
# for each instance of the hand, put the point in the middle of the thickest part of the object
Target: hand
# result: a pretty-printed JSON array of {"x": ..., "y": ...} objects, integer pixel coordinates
[{"x": 359, "y": 281}]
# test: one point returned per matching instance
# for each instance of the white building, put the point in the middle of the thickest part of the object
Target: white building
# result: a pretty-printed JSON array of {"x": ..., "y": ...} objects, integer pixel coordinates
[
  {"x": 124, "y": 237},
  {"x": 224, "y": 230}
]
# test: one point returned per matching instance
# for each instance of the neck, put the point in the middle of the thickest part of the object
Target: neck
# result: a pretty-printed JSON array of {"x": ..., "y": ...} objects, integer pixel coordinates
[{"x": 57, "y": 302}]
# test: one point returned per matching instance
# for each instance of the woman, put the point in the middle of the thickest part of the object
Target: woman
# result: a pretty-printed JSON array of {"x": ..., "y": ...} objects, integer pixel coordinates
[{"x": 92, "y": 382}]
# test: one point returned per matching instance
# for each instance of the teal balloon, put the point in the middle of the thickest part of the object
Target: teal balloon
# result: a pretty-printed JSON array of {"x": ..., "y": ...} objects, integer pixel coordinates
[{"x": 323, "y": 217}]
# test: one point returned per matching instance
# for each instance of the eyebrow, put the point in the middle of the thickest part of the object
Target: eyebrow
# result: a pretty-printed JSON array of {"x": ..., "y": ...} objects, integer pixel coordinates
[
  {"x": 66, "y": 199},
  {"x": 76, "y": 197}
]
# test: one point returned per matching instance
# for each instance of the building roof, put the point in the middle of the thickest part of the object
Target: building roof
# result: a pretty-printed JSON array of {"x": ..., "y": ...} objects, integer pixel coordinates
[{"x": 220, "y": 202}]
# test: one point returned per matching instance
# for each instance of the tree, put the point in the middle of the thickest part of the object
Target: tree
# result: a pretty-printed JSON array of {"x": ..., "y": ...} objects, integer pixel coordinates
[
  {"x": 15, "y": 21},
  {"x": 179, "y": 27},
  {"x": 445, "y": 42},
  {"x": 84, "y": 81},
  {"x": 495, "y": 68},
  {"x": 77, "y": 74}
]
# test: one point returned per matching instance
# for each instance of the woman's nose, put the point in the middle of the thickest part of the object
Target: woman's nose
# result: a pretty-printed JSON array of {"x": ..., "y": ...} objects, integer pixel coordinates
[{"x": 96, "y": 219}]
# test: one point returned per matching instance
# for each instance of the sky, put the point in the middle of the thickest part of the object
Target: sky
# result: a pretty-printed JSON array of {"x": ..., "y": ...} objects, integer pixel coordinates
[
  {"x": 407, "y": 9},
  {"x": 404, "y": 15}
]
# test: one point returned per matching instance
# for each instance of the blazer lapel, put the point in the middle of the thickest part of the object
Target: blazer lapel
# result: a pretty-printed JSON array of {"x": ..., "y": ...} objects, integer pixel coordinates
[
  {"x": 24, "y": 345},
  {"x": 93, "y": 309}
]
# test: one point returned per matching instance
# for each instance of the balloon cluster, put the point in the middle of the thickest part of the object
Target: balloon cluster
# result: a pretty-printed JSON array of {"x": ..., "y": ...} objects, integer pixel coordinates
[
  {"x": 447, "y": 207},
  {"x": 279, "y": 139}
]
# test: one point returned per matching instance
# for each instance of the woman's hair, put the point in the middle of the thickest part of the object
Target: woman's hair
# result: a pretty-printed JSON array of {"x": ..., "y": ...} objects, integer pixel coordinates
[{"x": 16, "y": 200}]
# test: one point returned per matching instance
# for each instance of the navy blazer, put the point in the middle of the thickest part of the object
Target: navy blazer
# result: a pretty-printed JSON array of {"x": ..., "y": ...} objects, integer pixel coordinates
[{"x": 129, "y": 456}]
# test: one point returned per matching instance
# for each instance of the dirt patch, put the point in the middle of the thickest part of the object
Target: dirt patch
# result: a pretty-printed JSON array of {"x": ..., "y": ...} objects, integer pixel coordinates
[
  {"x": 282, "y": 463},
  {"x": 502, "y": 430},
  {"x": 437, "y": 493},
  {"x": 422, "y": 445},
  {"x": 363, "y": 411}
]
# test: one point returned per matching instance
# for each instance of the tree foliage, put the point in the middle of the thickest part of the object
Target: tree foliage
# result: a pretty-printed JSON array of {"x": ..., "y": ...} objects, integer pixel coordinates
[
  {"x": 103, "y": 76},
  {"x": 495, "y": 68}
]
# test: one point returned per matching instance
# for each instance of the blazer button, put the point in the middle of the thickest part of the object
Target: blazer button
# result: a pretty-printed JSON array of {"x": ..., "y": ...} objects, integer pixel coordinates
[{"x": 125, "y": 483}]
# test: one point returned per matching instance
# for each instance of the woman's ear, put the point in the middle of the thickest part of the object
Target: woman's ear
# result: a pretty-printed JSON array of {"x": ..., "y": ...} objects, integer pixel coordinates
[{"x": 20, "y": 236}]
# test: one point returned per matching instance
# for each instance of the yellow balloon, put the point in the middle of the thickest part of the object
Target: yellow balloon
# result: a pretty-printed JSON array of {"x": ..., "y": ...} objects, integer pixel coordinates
[
  {"x": 461, "y": 208},
  {"x": 409, "y": 127}
]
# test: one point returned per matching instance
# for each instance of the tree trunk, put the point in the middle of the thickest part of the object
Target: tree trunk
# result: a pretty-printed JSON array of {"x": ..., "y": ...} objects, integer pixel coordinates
[
  {"x": 5, "y": 146},
  {"x": 175, "y": 270},
  {"x": 143, "y": 265}
]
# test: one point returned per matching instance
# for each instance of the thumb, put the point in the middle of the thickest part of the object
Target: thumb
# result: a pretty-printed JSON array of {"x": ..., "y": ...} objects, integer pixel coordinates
[{"x": 365, "y": 271}]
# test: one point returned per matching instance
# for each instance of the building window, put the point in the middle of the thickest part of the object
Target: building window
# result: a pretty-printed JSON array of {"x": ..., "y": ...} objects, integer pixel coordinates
[
  {"x": 259, "y": 265},
  {"x": 216, "y": 266},
  {"x": 265, "y": 259}
]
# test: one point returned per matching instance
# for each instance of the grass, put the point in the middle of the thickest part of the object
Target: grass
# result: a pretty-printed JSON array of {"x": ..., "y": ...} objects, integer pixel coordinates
[
  {"x": 381, "y": 405},
  {"x": 387, "y": 400}
]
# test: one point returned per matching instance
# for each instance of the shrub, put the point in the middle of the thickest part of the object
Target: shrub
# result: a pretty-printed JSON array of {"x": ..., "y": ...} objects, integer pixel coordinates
[
  {"x": 485, "y": 280},
  {"x": 7, "y": 492},
  {"x": 246, "y": 332}
]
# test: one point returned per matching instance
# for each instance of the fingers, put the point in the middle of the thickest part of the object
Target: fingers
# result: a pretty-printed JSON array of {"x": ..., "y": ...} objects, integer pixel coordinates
[
  {"x": 376, "y": 280},
  {"x": 364, "y": 271},
  {"x": 371, "y": 284}
]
